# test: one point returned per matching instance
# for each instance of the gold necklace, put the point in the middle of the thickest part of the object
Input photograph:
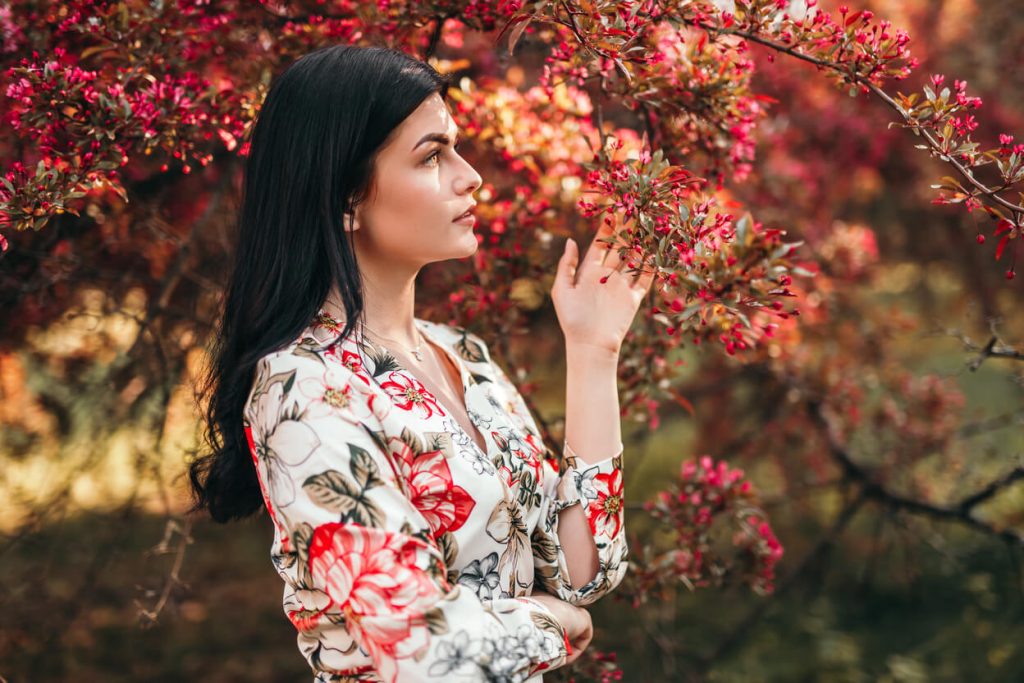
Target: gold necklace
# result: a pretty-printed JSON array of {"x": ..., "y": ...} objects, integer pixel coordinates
[{"x": 416, "y": 352}]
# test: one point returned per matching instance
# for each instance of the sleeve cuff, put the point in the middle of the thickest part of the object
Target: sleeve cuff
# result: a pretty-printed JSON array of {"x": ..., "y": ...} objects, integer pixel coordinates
[{"x": 576, "y": 482}]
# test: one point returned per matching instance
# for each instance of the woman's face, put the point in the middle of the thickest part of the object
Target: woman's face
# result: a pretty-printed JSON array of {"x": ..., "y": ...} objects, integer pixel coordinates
[{"x": 420, "y": 185}]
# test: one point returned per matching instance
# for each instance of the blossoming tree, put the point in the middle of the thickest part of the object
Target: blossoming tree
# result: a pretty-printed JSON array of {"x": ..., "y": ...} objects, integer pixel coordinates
[{"x": 645, "y": 115}]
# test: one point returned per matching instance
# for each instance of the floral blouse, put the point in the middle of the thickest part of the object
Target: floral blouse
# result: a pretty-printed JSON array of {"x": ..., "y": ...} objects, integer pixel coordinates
[{"x": 407, "y": 553}]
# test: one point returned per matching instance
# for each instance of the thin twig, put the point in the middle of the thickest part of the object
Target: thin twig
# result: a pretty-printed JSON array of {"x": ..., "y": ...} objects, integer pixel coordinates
[
  {"x": 148, "y": 617},
  {"x": 435, "y": 36}
]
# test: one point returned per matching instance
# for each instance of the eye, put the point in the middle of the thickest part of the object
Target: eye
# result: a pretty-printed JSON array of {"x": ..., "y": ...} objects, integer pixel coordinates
[{"x": 434, "y": 155}]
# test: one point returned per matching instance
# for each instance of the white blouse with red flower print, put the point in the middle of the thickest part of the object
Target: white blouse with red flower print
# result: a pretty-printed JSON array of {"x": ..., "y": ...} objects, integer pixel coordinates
[{"x": 407, "y": 553}]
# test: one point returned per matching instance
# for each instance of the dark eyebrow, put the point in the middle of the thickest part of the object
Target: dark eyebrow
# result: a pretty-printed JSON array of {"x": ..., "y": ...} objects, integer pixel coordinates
[{"x": 435, "y": 137}]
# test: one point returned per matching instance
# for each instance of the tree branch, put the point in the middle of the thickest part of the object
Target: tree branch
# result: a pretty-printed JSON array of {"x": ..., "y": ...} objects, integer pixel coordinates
[
  {"x": 878, "y": 92},
  {"x": 962, "y": 512}
]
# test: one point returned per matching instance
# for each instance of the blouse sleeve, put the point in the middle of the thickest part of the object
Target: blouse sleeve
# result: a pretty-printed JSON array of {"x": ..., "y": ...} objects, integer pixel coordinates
[
  {"x": 364, "y": 558},
  {"x": 597, "y": 487}
]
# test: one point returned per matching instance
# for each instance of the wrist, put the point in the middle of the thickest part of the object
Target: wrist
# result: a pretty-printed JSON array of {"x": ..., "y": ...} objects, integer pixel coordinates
[{"x": 592, "y": 351}]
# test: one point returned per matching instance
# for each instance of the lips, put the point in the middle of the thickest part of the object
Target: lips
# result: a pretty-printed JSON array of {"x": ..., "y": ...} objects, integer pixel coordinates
[{"x": 467, "y": 212}]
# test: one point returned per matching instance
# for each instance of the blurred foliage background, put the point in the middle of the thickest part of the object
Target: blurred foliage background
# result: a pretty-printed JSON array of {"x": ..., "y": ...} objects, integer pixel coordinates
[{"x": 103, "y": 579}]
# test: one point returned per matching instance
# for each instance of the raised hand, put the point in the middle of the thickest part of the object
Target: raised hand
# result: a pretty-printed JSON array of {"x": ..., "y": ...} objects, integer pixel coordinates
[{"x": 592, "y": 312}]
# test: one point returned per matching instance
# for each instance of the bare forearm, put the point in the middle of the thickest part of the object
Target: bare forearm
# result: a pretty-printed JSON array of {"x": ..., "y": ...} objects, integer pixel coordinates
[
  {"x": 592, "y": 403},
  {"x": 593, "y": 432}
]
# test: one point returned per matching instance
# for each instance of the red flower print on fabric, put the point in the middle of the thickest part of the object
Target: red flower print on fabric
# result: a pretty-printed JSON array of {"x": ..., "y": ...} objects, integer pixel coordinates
[
  {"x": 348, "y": 359},
  {"x": 326, "y": 321},
  {"x": 530, "y": 456},
  {"x": 605, "y": 513},
  {"x": 538, "y": 449},
  {"x": 507, "y": 475},
  {"x": 445, "y": 506},
  {"x": 371, "y": 574},
  {"x": 531, "y": 461},
  {"x": 408, "y": 393}
]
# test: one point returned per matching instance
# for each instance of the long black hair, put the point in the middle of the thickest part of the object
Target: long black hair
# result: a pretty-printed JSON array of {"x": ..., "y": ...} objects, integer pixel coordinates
[{"x": 311, "y": 158}]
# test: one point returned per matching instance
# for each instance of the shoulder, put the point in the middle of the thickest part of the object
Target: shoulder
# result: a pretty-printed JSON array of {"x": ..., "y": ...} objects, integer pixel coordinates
[
  {"x": 318, "y": 350},
  {"x": 305, "y": 356},
  {"x": 305, "y": 372}
]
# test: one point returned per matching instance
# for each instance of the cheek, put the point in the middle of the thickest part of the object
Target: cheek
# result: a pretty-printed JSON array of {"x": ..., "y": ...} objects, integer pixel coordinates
[{"x": 407, "y": 211}]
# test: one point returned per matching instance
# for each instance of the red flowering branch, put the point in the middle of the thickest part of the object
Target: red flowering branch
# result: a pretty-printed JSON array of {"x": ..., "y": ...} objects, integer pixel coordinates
[
  {"x": 85, "y": 124},
  {"x": 809, "y": 560},
  {"x": 863, "y": 54},
  {"x": 639, "y": 63},
  {"x": 708, "y": 495},
  {"x": 710, "y": 267}
]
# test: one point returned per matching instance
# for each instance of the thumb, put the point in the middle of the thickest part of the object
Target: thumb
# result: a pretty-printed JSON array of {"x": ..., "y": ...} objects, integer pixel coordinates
[{"x": 568, "y": 262}]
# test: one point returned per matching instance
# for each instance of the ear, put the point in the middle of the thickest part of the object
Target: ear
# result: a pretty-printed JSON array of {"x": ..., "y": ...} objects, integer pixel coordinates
[{"x": 350, "y": 222}]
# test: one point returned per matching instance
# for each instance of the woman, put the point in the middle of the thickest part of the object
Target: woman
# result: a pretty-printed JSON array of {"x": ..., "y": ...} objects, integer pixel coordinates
[{"x": 414, "y": 510}]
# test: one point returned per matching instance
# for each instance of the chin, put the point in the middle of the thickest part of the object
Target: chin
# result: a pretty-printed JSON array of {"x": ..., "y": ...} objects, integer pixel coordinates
[
  {"x": 457, "y": 253},
  {"x": 473, "y": 243}
]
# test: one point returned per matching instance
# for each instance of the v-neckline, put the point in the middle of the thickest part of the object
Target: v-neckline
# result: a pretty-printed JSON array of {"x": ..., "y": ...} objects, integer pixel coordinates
[{"x": 421, "y": 325}]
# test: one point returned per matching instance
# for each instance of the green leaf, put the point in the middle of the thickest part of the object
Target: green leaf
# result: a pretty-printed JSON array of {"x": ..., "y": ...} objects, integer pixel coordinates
[
  {"x": 410, "y": 438},
  {"x": 302, "y": 536},
  {"x": 741, "y": 316},
  {"x": 690, "y": 311},
  {"x": 742, "y": 227},
  {"x": 305, "y": 352},
  {"x": 332, "y": 491},
  {"x": 545, "y": 623},
  {"x": 364, "y": 469}
]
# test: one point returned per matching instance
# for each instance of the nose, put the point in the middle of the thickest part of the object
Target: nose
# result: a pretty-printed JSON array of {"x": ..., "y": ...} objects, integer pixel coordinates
[{"x": 470, "y": 181}]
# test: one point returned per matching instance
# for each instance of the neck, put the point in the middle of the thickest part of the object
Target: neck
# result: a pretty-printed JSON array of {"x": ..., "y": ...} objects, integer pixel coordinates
[{"x": 389, "y": 298}]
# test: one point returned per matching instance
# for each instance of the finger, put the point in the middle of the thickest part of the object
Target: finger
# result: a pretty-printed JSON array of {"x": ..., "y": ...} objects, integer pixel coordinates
[
  {"x": 567, "y": 264},
  {"x": 582, "y": 641},
  {"x": 598, "y": 251},
  {"x": 611, "y": 250},
  {"x": 610, "y": 257},
  {"x": 647, "y": 279}
]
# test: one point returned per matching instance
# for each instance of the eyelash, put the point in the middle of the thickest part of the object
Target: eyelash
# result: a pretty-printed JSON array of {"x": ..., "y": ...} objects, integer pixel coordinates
[{"x": 435, "y": 153}]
